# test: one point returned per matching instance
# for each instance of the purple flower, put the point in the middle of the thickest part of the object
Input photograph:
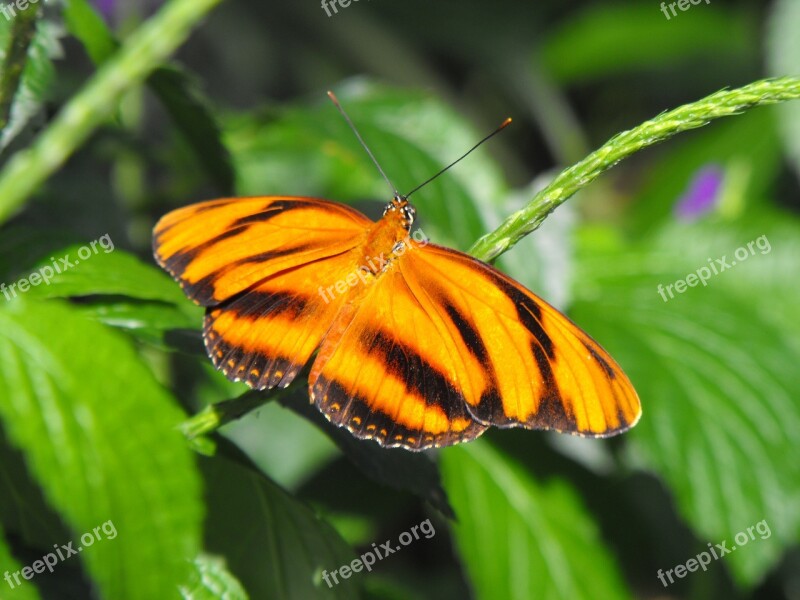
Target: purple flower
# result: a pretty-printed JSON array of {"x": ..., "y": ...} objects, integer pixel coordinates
[
  {"x": 105, "y": 8},
  {"x": 116, "y": 11},
  {"x": 702, "y": 194}
]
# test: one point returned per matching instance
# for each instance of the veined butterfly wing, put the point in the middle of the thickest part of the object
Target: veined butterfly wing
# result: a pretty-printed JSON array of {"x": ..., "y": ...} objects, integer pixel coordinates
[
  {"x": 442, "y": 345},
  {"x": 256, "y": 264}
]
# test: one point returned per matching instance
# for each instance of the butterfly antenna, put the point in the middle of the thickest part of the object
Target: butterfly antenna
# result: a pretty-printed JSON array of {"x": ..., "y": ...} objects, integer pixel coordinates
[
  {"x": 335, "y": 101},
  {"x": 503, "y": 125}
]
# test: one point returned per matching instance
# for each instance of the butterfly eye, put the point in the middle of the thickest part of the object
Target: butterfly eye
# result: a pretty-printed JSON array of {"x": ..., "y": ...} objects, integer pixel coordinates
[{"x": 408, "y": 214}]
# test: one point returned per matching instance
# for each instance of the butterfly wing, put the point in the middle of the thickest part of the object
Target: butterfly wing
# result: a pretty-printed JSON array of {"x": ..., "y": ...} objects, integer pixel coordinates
[
  {"x": 443, "y": 345},
  {"x": 219, "y": 248},
  {"x": 261, "y": 265}
]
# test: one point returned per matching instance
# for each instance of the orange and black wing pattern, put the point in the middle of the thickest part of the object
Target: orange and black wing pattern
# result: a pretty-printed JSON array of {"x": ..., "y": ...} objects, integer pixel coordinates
[
  {"x": 257, "y": 265},
  {"x": 428, "y": 348},
  {"x": 442, "y": 346}
]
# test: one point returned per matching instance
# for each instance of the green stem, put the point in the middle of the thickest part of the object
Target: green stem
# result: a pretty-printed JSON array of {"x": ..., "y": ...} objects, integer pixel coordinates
[
  {"x": 214, "y": 416},
  {"x": 724, "y": 103},
  {"x": 144, "y": 50},
  {"x": 22, "y": 31}
]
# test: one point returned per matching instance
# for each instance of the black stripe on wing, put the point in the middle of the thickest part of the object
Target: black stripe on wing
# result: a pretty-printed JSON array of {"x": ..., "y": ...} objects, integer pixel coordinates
[
  {"x": 422, "y": 382},
  {"x": 256, "y": 368},
  {"x": 353, "y": 412}
]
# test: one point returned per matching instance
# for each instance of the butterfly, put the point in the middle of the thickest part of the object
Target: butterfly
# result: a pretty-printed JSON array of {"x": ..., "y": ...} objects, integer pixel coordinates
[{"x": 417, "y": 345}]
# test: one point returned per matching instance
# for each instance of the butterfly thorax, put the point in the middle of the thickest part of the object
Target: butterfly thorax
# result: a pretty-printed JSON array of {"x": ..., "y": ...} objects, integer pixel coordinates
[
  {"x": 401, "y": 208},
  {"x": 387, "y": 238}
]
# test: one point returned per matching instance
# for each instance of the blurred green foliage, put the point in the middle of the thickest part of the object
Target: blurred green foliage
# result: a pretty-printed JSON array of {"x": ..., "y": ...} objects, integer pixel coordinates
[{"x": 100, "y": 366}]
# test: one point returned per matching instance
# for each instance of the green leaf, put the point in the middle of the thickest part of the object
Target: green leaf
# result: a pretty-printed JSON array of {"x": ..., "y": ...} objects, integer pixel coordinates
[
  {"x": 83, "y": 21},
  {"x": 783, "y": 56},
  {"x": 24, "y": 513},
  {"x": 394, "y": 467},
  {"x": 520, "y": 539},
  {"x": 276, "y": 546},
  {"x": 180, "y": 94},
  {"x": 402, "y": 470},
  {"x": 37, "y": 75},
  {"x": 121, "y": 292},
  {"x": 211, "y": 580},
  {"x": 312, "y": 151},
  {"x": 162, "y": 325},
  {"x": 100, "y": 436},
  {"x": 21, "y": 247},
  {"x": 191, "y": 112},
  {"x": 607, "y": 39},
  {"x": 26, "y": 590},
  {"x": 289, "y": 448},
  {"x": 85, "y": 271},
  {"x": 770, "y": 264},
  {"x": 717, "y": 381},
  {"x": 117, "y": 289}
]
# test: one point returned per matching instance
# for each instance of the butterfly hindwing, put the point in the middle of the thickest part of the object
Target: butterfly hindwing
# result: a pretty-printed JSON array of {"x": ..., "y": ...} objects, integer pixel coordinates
[
  {"x": 538, "y": 369},
  {"x": 265, "y": 335}
]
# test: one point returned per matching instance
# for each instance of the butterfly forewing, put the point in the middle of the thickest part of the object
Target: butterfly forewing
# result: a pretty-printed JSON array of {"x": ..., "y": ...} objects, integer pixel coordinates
[
  {"x": 220, "y": 248},
  {"x": 443, "y": 346}
]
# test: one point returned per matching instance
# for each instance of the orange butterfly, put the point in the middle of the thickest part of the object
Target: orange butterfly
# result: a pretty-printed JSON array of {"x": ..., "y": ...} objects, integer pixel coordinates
[{"x": 418, "y": 345}]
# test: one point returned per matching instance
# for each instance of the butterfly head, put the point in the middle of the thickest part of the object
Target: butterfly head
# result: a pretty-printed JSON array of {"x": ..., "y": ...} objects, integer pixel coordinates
[{"x": 401, "y": 208}]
